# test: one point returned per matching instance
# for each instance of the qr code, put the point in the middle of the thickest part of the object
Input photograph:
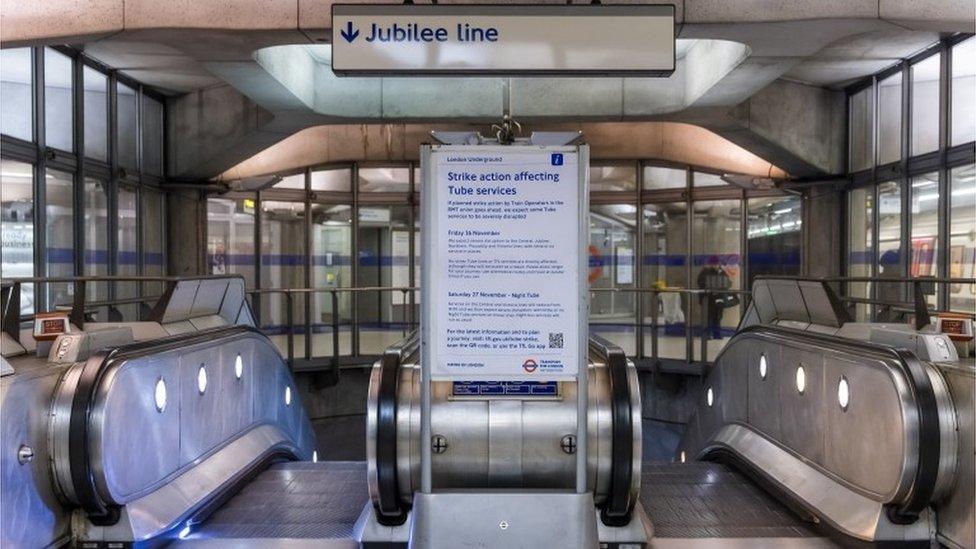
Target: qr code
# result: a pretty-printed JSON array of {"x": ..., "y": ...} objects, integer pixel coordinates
[{"x": 555, "y": 340}]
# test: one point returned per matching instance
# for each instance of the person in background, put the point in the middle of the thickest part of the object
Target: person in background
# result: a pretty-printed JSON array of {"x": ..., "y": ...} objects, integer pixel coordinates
[
  {"x": 714, "y": 277},
  {"x": 890, "y": 292}
]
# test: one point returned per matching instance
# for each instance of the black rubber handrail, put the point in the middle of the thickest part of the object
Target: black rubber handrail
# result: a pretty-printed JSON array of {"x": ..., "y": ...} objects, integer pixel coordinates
[
  {"x": 929, "y": 447},
  {"x": 619, "y": 506},
  {"x": 390, "y": 510},
  {"x": 100, "y": 512}
]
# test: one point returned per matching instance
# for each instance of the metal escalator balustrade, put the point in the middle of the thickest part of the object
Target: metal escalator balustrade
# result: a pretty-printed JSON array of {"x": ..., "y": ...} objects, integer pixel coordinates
[
  {"x": 147, "y": 436},
  {"x": 513, "y": 443},
  {"x": 861, "y": 435}
]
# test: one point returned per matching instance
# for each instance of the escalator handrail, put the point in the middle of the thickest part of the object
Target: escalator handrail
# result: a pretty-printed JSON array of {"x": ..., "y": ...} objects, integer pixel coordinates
[
  {"x": 389, "y": 509},
  {"x": 95, "y": 370},
  {"x": 620, "y": 501},
  {"x": 929, "y": 448}
]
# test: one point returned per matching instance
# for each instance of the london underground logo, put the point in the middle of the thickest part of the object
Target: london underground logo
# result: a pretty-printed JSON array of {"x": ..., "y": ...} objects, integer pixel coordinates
[{"x": 530, "y": 365}]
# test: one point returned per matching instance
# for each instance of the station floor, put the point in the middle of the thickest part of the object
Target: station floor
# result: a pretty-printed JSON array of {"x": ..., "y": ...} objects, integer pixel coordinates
[{"x": 375, "y": 341}]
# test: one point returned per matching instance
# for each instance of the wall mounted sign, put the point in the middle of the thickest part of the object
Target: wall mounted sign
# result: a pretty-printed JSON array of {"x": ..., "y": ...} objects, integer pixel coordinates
[{"x": 594, "y": 40}]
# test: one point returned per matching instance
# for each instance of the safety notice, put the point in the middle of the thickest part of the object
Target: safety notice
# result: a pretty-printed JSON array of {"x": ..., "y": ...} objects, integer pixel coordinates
[{"x": 505, "y": 247}]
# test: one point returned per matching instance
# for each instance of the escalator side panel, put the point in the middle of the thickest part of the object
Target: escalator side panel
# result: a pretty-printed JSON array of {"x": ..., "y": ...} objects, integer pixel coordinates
[
  {"x": 869, "y": 449},
  {"x": 956, "y": 513},
  {"x": 171, "y": 426}
]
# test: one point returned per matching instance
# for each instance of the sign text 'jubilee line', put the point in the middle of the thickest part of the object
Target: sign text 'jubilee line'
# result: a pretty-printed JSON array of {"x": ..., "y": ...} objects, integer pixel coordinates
[{"x": 414, "y": 32}]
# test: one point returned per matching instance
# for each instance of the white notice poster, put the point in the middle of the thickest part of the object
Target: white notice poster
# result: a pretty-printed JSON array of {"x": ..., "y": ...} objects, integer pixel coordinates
[{"x": 505, "y": 253}]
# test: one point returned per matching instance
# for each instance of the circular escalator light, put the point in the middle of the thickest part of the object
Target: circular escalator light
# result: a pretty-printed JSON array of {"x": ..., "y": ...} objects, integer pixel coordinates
[
  {"x": 160, "y": 395},
  {"x": 801, "y": 379},
  {"x": 843, "y": 393},
  {"x": 239, "y": 367},
  {"x": 762, "y": 366},
  {"x": 287, "y": 396},
  {"x": 315, "y": 456},
  {"x": 709, "y": 397},
  {"x": 202, "y": 379}
]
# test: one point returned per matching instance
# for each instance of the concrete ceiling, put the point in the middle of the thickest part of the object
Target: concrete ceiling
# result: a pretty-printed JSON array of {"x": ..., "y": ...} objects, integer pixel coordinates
[
  {"x": 236, "y": 93},
  {"x": 854, "y": 57}
]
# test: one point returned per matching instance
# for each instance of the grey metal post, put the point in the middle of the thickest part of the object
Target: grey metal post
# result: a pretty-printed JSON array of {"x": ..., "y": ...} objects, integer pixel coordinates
[
  {"x": 426, "y": 484},
  {"x": 583, "y": 159}
]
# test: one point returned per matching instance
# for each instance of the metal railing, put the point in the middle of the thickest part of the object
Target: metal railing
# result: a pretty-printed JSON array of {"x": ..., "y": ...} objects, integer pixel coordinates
[
  {"x": 706, "y": 300},
  {"x": 80, "y": 308},
  {"x": 915, "y": 304},
  {"x": 307, "y": 325},
  {"x": 699, "y": 327}
]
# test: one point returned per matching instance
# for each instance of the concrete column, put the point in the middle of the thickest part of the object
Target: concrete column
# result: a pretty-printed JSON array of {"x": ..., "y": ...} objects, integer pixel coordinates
[
  {"x": 187, "y": 233},
  {"x": 822, "y": 232}
]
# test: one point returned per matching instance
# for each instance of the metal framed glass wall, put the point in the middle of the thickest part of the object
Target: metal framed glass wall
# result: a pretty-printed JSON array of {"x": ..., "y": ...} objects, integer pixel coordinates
[
  {"x": 82, "y": 148},
  {"x": 652, "y": 224},
  {"x": 911, "y": 151}
]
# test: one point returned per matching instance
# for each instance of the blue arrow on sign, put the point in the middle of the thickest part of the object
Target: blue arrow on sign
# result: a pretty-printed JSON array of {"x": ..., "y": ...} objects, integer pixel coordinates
[{"x": 349, "y": 33}]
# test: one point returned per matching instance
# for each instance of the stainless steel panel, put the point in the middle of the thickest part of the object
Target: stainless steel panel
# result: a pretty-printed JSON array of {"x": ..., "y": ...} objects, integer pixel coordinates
[
  {"x": 139, "y": 453},
  {"x": 181, "y": 301},
  {"x": 870, "y": 449},
  {"x": 31, "y": 514},
  {"x": 172, "y": 503},
  {"x": 849, "y": 511},
  {"x": 818, "y": 305},
  {"x": 128, "y": 421},
  {"x": 764, "y": 413},
  {"x": 503, "y": 519},
  {"x": 957, "y": 512},
  {"x": 860, "y": 430},
  {"x": 210, "y": 294},
  {"x": 503, "y": 443},
  {"x": 788, "y": 300}
]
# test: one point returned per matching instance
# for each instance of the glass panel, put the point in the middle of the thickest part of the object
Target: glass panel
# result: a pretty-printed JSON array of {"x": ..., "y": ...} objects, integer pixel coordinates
[
  {"x": 716, "y": 233},
  {"x": 656, "y": 177},
  {"x": 153, "y": 240},
  {"x": 127, "y": 145},
  {"x": 925, "y": 105},
  {"x": 96, "y": 238},
  {"x": 296, "y": 181},
  {"x": 665, "y": 265},
  {"x": 332, "y": 268},
  {"x": 96, "y": 114},
  {"x": 702, "y": 179},
  {"x": 17, "y": 90},
  {"x": 383, "y": 256},
  {"x": 283, "y": 266},
  {"x": 889, "y": 248},
  {"x": 58, "y": 100},
  {"x": 861, "y": 126},
  {"x": 60, "y": 234},
  {"x": 860, "y": 223},
  {"x": 925, "y": 228},
  {"x": 128, "y": 255},
  {"x": 962, "y": 237},
  {"x": 612, "y": 251},
  {"x": 384, "y": 180},
  {"x": 17, "y": 225},
  {"x": 773, "y": 235},
  {"x": 889, "y": 119},
  {"x": 152, "y": 136},
  {"x": 332, "y": 180},
  {"x": 230, "y": 237},
  {"x": 613, "y": 178},
  {"x": 963, "y": 92}
]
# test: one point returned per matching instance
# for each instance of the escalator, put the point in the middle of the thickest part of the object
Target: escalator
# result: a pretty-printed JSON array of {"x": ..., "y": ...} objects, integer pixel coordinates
[{"x": 201, "y": 440}]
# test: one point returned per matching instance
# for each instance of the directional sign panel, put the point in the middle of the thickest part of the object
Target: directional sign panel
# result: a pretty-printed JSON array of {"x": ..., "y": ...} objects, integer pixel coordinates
[{"x": 597, "y": 40}]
